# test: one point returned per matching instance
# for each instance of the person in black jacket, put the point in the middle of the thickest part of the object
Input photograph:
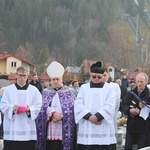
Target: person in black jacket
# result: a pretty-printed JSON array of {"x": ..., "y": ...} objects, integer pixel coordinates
[
  {"x": 125, "y": 81},
  {"x": 123, "y": 94},
  {"x": 136, "y": 125},
  {"x": 35, "y": 82}
]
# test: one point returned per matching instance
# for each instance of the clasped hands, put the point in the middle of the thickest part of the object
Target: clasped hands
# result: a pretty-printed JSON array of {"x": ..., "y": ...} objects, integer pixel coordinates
[
  {"x": 94, "y": 119},
  {"x": 20, "y": 109},
  {"x": 57, "y": 117},
  {"x": 134, "y": 111}
]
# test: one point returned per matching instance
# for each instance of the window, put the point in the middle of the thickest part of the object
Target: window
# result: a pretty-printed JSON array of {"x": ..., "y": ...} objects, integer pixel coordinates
[
  {"x": 13, "y": 64},
  {"x": 110, "y": 69}
]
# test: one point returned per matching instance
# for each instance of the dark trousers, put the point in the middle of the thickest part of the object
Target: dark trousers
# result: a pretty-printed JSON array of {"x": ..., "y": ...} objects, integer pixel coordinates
[
  {"x": 113, "y": 146},
  {"x": 94, "y": 147},
  {"x": 54, "y": 145},
  {"x": 134, "y": 138},
  {"x": 147, "y": 138},
  {"x": 19, "y": 145}
]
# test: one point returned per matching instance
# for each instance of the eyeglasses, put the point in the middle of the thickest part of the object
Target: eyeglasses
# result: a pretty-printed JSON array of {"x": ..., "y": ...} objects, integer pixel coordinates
[
  {"x": 22, "y": 75},
  {"x": 98, "y": 77}
]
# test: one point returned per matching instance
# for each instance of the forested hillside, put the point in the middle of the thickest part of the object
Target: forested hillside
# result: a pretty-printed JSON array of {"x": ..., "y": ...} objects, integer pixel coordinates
[{"x": 68, "y": 31}]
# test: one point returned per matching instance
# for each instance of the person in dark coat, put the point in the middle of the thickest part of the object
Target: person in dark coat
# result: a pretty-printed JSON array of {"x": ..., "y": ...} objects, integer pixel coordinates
[
  {"x": 123, "y": 93},
  {"x": 147, "y": 133},
  {"x": 136, "y": 125},
  {"x": 125, "y": 81},
  {"x": 35, "y": 82}
]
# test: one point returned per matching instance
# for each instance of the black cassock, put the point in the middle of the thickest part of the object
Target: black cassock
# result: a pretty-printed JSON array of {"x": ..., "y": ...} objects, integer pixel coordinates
[
  {"x": 95, "y": 147},
  {"x": 19, "y": 145}
]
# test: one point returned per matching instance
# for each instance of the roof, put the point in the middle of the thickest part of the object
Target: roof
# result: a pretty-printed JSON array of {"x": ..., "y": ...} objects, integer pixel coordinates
[
  {"x": 110, "y": 64},
  {"x": 138, "y": 69},
  {"x": 135, "y": 72},
  {"x": 5, "y": 55},
  {"x": 87, "y": 64},
  {"x": 73, "y": 69},
  {"x": 44, "y": 77},
  {"x": 133, "y": 75}
]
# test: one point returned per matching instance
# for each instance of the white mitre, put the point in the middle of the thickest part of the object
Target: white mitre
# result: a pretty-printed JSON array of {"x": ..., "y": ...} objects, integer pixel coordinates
[{"x": 55, "y": 70}]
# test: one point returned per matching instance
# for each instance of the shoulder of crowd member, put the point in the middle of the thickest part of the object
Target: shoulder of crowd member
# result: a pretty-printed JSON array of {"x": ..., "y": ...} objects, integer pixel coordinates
[
  {"x": 40, "y": 87},
  {"x": 148, "y": 90},
  {"x": 31, "y": 82},
  {"x": 115, "y": 85},
  {"x": 66, "y": 87},
  {"x": 124, "y": 87},
  {"x": 126, "y": 103}
]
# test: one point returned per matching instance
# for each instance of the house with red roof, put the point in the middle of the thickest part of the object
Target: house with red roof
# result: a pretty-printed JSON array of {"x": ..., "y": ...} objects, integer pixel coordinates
[{"x": 9, "y": 63}]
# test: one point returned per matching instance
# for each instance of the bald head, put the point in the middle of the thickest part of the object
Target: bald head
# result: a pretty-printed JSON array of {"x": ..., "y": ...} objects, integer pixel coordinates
[
  {"x": 118, "y": 81},
  {"x": 141, "y": 80}
]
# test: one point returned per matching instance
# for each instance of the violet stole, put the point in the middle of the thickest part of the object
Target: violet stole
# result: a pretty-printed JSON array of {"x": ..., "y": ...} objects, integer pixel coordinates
[{"x": 66, "y": 101}]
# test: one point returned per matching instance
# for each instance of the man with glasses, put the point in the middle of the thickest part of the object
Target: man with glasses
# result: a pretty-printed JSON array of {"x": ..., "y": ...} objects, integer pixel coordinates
[
  {"x": 20, "y": 104},
  {"x": 94, "y": 112}
]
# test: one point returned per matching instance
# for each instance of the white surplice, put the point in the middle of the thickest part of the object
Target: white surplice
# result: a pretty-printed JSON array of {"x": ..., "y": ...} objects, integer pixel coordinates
[
  {"x": 93, "y": 100},
  {"x": 117, "y": 101},
  {"x": 20, "y": 127}
]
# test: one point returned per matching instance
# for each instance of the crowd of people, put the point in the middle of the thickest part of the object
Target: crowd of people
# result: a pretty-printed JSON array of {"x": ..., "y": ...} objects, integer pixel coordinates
[{"x": 60, "y": 117}]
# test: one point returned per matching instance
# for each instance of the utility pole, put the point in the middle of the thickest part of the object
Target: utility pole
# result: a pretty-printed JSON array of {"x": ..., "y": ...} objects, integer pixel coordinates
[
  {"x": 137, "y": 26},
  {"x": 147, "y": 50}
]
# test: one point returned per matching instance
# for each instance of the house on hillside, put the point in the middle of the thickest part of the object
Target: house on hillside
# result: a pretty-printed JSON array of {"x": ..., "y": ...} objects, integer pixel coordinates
[
  {"x": 72, "y": 69},
  {"x": 114, "y": 72},
  {"x": 9, "y": 63}
]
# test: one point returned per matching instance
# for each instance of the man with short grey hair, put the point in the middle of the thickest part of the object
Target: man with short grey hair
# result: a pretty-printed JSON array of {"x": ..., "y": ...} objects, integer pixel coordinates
[
  {"x": 136, "y": 125},
  {"x": 55, "y": 123}
]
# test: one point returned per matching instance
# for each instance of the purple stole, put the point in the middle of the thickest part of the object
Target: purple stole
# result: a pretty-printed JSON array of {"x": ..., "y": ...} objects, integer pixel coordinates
[{"x": 68, "y": 126}]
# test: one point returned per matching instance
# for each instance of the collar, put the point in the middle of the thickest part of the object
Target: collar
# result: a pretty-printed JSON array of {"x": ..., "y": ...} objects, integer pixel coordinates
[
  {"x": 140, "y": 91},
  {"x": 21, "y": 88},
  {"x": 57, "y": 89},
  {"x": 145, "y": 90},
  {"x": 98, "y": 85}
]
